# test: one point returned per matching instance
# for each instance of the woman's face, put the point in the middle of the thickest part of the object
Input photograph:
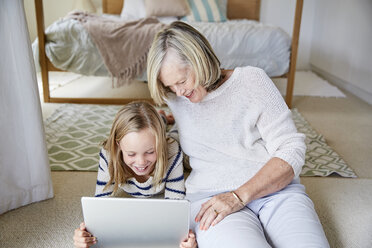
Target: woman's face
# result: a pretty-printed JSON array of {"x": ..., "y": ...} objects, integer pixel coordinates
[
  {"x": 139, "y": 151},
  {"x": 180, "y": 78}
]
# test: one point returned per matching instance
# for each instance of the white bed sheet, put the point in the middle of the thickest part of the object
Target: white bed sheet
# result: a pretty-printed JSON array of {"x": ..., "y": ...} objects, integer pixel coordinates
[
  {"x": 236, "y": 43},
  {"x": 244, "y": 42}
]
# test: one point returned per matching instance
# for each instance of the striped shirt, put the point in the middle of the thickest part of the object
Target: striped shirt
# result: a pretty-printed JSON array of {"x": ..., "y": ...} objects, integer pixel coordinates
[{"x": 172, "y": 185}]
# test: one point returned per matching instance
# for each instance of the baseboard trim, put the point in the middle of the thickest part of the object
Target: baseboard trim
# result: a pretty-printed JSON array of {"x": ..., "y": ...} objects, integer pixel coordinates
[{"x": 360, "y": 93}]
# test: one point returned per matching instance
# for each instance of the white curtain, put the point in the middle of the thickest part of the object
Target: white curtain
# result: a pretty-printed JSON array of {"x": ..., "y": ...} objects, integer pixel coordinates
[{"x": 24, "y": 168}]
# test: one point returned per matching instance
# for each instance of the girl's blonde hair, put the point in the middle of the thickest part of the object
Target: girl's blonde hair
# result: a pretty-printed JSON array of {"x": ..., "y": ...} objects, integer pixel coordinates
[
  {"x": 134, "y": 117},
  {"x": 192, "y": 48}
]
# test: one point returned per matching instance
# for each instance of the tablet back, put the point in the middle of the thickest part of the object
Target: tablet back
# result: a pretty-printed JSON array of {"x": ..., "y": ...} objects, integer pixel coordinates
[{"x": 131, "y": 222}]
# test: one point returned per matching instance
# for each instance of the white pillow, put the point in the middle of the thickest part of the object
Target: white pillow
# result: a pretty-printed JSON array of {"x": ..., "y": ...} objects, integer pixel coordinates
[
  {"x": 167, "y": 19},
  {"x": 207, "y": 11},
  {"x": 167, "y": 7},
  {"x": 133, "y": 10}
]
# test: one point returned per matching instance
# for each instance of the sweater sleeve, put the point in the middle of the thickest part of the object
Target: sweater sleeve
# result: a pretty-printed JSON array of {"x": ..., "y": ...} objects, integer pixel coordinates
[
  {"x": 174, "y": 179},
  {"x": 103, "y": 176},
  {"x": 276, "y": 126}
]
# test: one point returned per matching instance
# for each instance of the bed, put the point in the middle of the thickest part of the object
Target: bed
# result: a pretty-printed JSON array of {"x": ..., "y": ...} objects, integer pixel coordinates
[{"x": 236, "y": 10}]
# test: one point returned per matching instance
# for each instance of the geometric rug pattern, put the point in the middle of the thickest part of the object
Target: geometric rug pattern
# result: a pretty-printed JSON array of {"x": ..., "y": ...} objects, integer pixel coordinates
[
  {"x": 74, "y": 133},
  {"x": 320, "y": 159}
]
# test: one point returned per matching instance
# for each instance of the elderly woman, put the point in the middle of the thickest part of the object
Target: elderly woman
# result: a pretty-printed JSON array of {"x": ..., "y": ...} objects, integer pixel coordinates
[{"x": 245, "y": 152}]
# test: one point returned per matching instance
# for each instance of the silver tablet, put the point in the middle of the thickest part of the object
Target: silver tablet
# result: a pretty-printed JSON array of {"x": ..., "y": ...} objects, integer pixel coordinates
[{"x": 134, "y": 223}]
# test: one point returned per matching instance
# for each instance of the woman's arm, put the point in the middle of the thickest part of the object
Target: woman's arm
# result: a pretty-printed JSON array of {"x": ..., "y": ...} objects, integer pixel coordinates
[{"x": 272, "y": 177}]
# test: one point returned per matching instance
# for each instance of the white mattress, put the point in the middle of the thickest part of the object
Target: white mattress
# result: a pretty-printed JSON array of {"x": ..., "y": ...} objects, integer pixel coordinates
[{"x": 235, "y": 42}]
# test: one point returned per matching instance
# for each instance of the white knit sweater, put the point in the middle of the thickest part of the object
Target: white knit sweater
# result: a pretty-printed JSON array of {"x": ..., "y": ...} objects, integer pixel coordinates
[
  {"x": 172, "y": 186},
  {"x": 235, "y": 130}
]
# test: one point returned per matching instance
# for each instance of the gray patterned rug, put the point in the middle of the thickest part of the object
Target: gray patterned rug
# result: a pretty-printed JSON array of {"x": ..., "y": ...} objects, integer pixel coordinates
[{"x": 74, "y": 133}]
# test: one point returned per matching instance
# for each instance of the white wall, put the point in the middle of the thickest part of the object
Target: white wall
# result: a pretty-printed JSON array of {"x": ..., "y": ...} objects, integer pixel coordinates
[
  {"x": 281, "y": 13},
  {"x": 53, "y": 10},
  {"x": 342, "y": 44}
]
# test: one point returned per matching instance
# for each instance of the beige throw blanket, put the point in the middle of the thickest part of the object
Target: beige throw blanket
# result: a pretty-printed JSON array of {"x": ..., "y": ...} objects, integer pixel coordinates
[{"x": 122, "y": 45}]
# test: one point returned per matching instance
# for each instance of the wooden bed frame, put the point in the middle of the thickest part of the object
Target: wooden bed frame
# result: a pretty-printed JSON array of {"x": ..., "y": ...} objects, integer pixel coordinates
[{"x": 236, "y": 9}]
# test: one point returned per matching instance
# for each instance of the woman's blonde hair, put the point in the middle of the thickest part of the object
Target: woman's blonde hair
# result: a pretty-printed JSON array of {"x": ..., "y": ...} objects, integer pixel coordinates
[
  {"x": 192, "y": 48},
  {"x": 134, "y": 117}
]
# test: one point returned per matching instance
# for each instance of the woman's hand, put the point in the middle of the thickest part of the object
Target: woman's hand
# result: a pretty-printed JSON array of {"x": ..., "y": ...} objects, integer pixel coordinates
[
  {"x": 82, "y": 238},
  {"x": 217, "y": 208},
  {"x": 190, "y": 241}
]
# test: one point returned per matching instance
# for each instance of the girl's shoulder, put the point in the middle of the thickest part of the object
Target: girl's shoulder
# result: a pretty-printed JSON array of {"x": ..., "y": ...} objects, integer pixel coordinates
[
  {"x": 172, "y": 142},
  {"x": 103, "y": 151},
  {"x": 104, "y": 154},
  {"x": 173, "y": 147}
]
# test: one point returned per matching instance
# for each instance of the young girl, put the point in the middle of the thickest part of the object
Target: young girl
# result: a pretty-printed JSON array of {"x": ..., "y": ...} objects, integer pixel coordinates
[{"x": 139, "y": 159}]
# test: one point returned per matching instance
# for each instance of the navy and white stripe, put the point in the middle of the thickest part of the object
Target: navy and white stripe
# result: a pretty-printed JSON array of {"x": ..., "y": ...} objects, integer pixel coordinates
[{"x": 172, "y": 185}]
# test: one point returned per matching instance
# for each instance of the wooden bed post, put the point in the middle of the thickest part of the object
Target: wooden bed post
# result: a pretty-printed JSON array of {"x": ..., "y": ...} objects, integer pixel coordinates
[
  {"x": 42, "y": 55},
  {"x": 46, "y": 66},
  {"x": 294, "y": 48}
]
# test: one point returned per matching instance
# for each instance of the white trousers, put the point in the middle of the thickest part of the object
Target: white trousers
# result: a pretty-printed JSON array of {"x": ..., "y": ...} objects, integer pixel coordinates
[{"x": 284, "y": 219}]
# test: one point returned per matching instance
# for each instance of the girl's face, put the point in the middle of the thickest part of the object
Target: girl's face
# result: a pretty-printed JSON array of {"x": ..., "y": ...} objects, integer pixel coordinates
[
  {"x": 139, "y": 151},
  {"x": 180, "y": 78}
]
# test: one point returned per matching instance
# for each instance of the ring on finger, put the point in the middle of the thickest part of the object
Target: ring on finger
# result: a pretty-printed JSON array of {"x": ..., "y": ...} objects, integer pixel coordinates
[{"x": 214, "y": 210}]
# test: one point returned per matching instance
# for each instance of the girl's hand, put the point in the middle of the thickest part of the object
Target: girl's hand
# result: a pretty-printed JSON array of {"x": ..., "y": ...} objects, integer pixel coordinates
[
  {"x": 169, "y": 118},
  {"x": 82, "y": 238},
  {"x": 190, "y": 241},
  {"x": 216, "y": 209}
]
